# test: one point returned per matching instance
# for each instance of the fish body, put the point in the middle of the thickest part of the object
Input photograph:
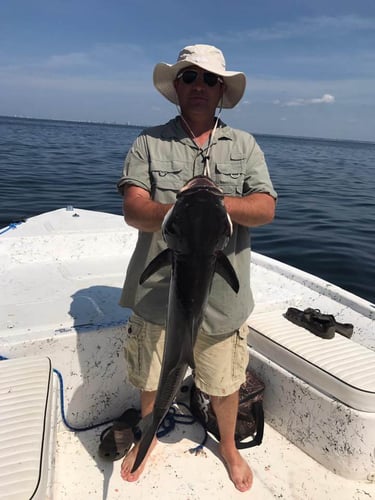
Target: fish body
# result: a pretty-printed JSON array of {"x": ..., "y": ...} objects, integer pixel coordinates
[{"x": 196, "y": 230}]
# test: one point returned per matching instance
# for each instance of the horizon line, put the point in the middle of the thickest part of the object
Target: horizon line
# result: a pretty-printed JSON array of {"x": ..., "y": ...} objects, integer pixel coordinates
[{"x": 128, "y": 124}]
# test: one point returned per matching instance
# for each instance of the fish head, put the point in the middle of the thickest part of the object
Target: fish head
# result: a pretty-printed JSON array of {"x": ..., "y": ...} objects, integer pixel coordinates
[
  {"x": 198, "y": 222},
  {"x": 199, "y": 183}
]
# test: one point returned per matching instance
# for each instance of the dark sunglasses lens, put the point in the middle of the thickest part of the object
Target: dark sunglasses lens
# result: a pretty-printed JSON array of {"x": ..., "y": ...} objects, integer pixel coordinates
[
  {"x": 189, "y": 76},
  {"x": 210, "y": 79}
]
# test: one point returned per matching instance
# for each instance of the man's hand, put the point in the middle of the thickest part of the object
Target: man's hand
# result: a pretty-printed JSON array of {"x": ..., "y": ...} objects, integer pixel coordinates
[
  {"x": 141, "y": 212},
  {"x": 252, "y": 210}
]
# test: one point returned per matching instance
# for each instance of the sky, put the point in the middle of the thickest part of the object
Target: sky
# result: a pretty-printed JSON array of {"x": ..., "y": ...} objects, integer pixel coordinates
[{"x": 310, "y": 65}]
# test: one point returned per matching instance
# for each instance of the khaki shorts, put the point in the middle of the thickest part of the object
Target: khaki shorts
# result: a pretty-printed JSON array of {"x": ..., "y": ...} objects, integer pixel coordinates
[{"x": 221, "y": 360}]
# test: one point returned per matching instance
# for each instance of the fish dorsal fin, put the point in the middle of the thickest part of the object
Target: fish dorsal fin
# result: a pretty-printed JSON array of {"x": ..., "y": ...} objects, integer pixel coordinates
[
  {"x": 161, "y": 260},
  {"x": 226, "y": 271}
]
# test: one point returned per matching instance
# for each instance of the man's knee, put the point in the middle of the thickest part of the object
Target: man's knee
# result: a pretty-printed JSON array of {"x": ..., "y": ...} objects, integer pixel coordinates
[{"x": 225, "y": 401}]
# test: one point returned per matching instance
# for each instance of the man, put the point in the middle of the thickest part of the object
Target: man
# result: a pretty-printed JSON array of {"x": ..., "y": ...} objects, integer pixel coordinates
[{"x": 160, "y": 162}]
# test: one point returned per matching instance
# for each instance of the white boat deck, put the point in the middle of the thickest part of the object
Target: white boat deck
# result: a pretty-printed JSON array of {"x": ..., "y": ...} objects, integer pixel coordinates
[
  {"x": 280, "y": 470},
  {"x": 61, "y": 276}
]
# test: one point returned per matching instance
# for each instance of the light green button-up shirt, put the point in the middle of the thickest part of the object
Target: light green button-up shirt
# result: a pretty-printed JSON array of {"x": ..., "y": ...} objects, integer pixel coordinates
[{"x": 161, "y": 160}]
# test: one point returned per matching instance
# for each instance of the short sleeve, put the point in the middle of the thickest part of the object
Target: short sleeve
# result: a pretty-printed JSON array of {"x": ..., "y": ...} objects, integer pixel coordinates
[
  {"x": 136, "y": 166},
  {"x": 257, "y": 178}
]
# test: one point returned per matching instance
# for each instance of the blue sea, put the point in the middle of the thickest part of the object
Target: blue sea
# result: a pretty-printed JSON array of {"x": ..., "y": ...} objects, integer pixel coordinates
[{"x": 325, "y": 221}]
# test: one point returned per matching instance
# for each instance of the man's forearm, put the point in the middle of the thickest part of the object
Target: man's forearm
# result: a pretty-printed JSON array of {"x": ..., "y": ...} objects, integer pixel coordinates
[
  {"x": 145, "y": 214},
  {"x": 250, "y": 211}
]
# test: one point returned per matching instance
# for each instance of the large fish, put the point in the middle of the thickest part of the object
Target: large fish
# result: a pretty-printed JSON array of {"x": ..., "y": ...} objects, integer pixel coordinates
[{"x": 196, "y": 230}]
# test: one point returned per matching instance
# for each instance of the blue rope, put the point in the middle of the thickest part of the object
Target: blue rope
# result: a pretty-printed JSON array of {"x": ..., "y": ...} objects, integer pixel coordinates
[
  {"x": 11, "y": 226},
  {"x": 172, "y": 418},
  {"x": 169, "y": 423},
  {"x": 62, "y": 408},
  {"x": 63, "y": 416}
]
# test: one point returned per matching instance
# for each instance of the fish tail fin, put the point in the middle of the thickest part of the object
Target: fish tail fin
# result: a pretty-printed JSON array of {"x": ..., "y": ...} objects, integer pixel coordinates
[
  {"x": 191, "y": 360},
  {"x": 147, "y": 429}
]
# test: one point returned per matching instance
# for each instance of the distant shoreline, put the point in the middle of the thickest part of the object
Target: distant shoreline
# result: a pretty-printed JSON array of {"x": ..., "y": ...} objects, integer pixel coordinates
[
  {"x": 59, "y": 120},
  {"x": 129, "y": 125}
]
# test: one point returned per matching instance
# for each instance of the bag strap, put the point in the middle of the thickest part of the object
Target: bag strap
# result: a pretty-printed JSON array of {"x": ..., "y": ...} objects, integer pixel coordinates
[{"x": 258, "y": 414}]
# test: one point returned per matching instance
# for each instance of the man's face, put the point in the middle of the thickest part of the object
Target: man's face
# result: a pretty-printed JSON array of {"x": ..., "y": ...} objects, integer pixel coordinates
[{"x": 195, "y": 95}]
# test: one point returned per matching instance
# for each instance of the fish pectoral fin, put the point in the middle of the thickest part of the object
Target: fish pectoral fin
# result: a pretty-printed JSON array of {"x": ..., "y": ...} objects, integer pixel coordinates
[
  {"x": 163, "y": 259},
  {"x": 226, "y": 271}
]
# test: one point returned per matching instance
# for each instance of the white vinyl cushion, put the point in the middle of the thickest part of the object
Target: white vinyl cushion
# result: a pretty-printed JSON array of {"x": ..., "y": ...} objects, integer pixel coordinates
[
  {"x": 339, "y": 367},
  {"x": 24, "y": 393}
]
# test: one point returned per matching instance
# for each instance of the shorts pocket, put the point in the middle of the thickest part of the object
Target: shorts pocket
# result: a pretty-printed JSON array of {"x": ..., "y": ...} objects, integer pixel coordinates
[
  {"x": 133, "y": 345},
  {"x": 135, "y": 326},
  {"x": 240, "y": 352}
]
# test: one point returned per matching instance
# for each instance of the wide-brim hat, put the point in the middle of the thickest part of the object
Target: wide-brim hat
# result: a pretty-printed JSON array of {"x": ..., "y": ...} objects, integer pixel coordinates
[{"x": 208, "y": 58}]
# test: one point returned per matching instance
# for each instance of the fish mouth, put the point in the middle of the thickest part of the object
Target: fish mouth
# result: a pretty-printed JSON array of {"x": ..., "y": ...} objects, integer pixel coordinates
[{"x": 201, "y": 182}]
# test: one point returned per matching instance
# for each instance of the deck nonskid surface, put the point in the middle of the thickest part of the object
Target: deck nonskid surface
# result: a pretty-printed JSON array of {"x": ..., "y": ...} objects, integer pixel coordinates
[
  {"x": 280, "y": 471},
  {"x": 61, "y": 273}
]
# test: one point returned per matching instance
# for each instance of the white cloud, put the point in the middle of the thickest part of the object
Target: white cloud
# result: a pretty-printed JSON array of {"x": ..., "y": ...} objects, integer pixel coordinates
[
  {"x": 302, "y": 27},
  {"x": 67, "y": 60},
  {"x": 325, "y": 99},
  {"x": 112, "y": 60}
]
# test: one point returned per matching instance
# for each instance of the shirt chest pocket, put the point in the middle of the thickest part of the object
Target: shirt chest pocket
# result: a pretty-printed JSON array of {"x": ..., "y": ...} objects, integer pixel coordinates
[
  {"x": 229, "y": 176},
  {"x": 166, "y": 176}
]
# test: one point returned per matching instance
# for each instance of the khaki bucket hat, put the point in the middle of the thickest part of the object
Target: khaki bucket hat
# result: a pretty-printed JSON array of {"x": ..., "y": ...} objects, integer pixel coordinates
[{"x": 208, "y": 58}]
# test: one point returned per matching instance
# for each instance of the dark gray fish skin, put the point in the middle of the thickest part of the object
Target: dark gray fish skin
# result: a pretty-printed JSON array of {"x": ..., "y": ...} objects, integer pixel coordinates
[{"x": 195, "y": 230}]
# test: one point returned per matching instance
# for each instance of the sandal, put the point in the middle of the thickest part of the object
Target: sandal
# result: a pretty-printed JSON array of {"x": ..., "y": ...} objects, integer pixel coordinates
[
  {"x": 319, "y": 324},
  {"x": 116, "y": 441},
  {"x": 345, "y": 329}
]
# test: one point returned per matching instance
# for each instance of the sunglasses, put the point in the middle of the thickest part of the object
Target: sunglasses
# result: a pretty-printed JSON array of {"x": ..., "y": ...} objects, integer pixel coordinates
[{"x": 190, "y": 75}]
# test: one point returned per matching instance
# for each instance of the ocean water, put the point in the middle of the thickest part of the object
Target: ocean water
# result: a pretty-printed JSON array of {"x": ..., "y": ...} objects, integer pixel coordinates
[{"x": 325, "y": 222}]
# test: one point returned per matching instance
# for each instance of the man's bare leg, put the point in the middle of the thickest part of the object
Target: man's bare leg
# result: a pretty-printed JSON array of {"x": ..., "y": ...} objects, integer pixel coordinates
[
  {"x": 226, "y": 409},
  {"x": 147, "y": 405}
]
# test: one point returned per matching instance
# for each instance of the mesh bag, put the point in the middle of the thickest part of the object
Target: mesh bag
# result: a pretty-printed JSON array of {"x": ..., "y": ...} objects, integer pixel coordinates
[{"x": 250, "y": 417}]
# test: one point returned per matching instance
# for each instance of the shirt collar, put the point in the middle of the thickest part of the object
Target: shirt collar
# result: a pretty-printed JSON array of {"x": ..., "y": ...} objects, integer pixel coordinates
[{"x": 174, "y": 130}]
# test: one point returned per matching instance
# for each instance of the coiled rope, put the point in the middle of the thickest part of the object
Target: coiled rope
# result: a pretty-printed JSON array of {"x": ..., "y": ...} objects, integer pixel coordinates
[{"x": 172, "y": 418}]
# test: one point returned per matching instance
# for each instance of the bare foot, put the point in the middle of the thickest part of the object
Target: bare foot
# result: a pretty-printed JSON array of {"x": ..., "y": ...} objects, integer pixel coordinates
[
  {"x": 239, "y": 470},
  {"x": 128, "y": 462}
]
